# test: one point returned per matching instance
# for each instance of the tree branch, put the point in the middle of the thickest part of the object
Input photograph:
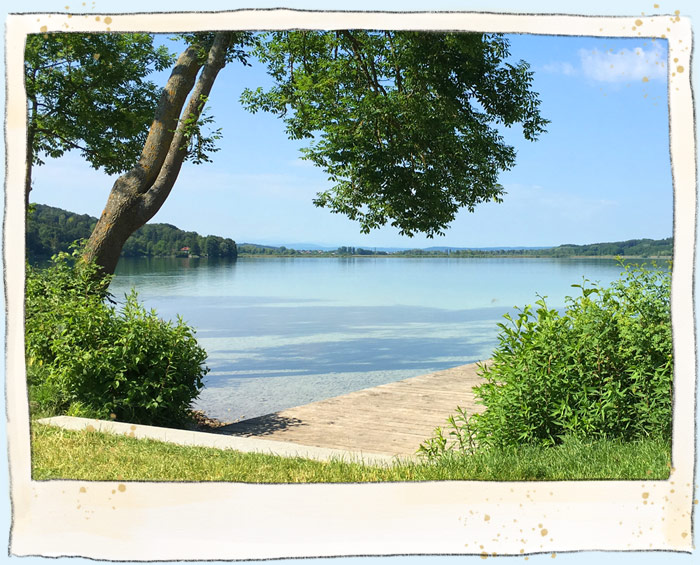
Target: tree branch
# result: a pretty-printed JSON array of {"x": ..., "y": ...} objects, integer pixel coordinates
[
  {"x": 52, "y": 65},
  {"x": 68, "y": 142},
  {"x": 356, "y": 49},
  {"x": 162, "y": 131},
  {"x": 397, "y": 70},
  {"x": 153, "y": 199}
]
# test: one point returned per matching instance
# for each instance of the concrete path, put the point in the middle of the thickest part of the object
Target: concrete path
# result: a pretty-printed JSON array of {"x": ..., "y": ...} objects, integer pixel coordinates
[
  {"x": 218, "y": 441},
  {"x": 375, "y": 425}
]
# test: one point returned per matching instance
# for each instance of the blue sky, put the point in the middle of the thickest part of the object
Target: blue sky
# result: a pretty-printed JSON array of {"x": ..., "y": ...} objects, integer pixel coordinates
[{"x": 601, "y": 173}]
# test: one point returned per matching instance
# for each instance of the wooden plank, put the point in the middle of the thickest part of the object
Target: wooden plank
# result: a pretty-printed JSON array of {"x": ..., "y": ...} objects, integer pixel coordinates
[
  {"x": 403, "y": 403},
  {"x": 393, "y": 418}
]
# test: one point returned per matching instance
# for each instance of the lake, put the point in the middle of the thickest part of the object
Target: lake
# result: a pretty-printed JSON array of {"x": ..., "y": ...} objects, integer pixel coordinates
[{"x": 281, "y": 332}]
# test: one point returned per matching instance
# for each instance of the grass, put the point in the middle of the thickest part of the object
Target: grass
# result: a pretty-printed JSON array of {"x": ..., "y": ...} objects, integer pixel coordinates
[{"x": 91, "y": 455}]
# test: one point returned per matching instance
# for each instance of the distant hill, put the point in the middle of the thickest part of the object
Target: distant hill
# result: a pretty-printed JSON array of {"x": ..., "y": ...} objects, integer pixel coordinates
[
  {"x": 631, "y": 247},
  {"x": 50, "y": 230}
]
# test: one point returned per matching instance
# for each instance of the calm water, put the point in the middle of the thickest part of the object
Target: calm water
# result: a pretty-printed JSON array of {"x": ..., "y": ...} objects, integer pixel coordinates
[{"x": 281, "y": 332}]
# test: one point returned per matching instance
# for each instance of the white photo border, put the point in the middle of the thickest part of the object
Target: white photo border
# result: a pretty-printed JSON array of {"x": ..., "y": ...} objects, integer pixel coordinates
[{"x": 154, "y": 521}]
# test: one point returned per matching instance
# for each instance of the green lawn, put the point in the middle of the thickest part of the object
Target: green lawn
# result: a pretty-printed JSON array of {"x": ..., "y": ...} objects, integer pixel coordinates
[{"x": 90, "y": 455}]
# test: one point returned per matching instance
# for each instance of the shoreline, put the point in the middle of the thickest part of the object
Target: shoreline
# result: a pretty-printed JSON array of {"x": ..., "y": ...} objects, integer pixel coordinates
[{"x": 314, "y": 255}]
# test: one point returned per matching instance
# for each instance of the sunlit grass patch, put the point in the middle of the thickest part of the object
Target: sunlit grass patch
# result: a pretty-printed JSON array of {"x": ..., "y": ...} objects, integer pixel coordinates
[{"x": 90, "y": 455}]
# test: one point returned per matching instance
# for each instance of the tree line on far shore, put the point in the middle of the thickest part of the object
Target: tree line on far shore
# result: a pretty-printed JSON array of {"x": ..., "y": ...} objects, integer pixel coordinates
[
  {"x": 662, "y": 248},
  {"x": 630, "y": 248},
  {"x": 51, "y": 230}
]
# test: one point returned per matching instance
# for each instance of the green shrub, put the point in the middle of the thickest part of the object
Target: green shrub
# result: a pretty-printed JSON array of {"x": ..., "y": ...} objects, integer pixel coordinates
[
  {"x": 601, "y": 369},
  {"x": 87, "y": 358}
]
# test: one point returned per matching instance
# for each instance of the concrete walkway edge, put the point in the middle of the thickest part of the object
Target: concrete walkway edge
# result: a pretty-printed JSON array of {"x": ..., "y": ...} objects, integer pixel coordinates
[{"x": 218, "y": 441}]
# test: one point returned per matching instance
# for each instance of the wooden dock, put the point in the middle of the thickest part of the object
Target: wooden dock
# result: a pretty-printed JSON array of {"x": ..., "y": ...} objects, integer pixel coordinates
[{"x": 393, "y": 419}]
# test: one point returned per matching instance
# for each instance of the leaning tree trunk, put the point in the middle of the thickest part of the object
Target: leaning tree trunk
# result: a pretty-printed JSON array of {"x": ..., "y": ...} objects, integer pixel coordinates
[
  {"x": 29, "y": 153},
  {"x": 139, "y": 193}
]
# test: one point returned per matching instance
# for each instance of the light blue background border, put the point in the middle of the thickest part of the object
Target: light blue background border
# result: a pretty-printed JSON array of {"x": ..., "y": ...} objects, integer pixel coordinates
[{"x": 687, "y": 8}]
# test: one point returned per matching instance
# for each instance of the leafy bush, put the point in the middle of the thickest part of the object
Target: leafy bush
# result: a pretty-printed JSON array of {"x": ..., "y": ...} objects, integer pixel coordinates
[
  {"x": 601, "y": 369},
  {"x": 86, "y": 358}
]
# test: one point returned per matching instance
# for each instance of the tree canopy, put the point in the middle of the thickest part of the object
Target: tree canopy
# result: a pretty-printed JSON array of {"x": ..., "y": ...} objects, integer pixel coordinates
[
  {"x": 89, "y": 92},
  {"x": 403, "y": 122}
]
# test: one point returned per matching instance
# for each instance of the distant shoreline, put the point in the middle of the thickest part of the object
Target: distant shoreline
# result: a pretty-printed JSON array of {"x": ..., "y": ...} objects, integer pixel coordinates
[
  {"x": 45, "y": 258},
  {"x": 51, "y": 230},
  {"x": 314, "y": 255}
]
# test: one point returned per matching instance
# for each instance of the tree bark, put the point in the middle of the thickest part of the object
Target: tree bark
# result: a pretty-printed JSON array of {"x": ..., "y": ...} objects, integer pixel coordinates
[
  {"x": 29, "y": 153},
  {"x": 138, "y": 194}
]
